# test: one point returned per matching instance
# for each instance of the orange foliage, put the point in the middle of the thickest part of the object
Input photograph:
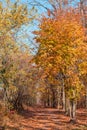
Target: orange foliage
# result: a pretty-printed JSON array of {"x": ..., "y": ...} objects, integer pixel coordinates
[{"x": 62, "y": 47}]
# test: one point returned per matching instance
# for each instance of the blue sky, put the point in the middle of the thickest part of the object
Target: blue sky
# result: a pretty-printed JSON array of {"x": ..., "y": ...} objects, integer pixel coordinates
[
  {"x": 34, "y": 26},
  {"x": 26, "y": 32}
]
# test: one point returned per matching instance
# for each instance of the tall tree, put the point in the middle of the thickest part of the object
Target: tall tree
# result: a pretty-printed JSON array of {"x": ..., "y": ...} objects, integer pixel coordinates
[
  {"x": 12, "y": 17},
  {"x": 61, "y": 46}
]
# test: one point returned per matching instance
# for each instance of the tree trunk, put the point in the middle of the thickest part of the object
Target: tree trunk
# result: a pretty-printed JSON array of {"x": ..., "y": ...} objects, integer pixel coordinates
[
  {"x": 53, "y": 105},
  {"x": 54, "y": 99},
  {"x": 5, "y": 99},
  {"x": 18, "y": 105},
  {"x": 67, "y": 107},
  {"x": 48, "y": 99},
  {"x": 86, "y": 97},
  {"x": 64, "y": 99},
  {"x": 59, "y": 97},
  {"x": 72, "y": 111}
]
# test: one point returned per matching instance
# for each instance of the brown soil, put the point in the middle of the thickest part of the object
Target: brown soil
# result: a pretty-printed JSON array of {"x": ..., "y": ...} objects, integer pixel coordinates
[{"x": 44, "y": 119}]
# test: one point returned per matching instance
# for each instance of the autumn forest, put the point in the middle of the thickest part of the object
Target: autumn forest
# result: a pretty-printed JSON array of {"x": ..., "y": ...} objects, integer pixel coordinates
[{"x": 43, "y": 80}]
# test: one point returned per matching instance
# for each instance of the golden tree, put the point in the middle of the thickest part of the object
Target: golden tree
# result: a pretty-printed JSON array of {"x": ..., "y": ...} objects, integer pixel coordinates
[
  {"x": 12, "y": 17},
  {"x": 61, "y": 50}
]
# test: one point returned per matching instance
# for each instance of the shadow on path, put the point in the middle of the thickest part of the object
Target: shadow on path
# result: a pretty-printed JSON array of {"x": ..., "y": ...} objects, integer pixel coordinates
[{"x": 48, "y": 119}]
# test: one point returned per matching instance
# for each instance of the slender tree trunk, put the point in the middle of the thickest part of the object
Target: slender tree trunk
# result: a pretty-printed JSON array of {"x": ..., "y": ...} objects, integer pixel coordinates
[
  {"x": 86, "y": 97},
  {"x": 67, "y": 107},
  {"x": 72, "y": 111},
  {"x": 18, "y": 105},
  {"x": 48, "y": 100},
  {"x": 59, "y": 97},
  {"x": 64, "y": 99},
  {"x": 5, "y": 98},
  {"x": 54, "y": 103}
]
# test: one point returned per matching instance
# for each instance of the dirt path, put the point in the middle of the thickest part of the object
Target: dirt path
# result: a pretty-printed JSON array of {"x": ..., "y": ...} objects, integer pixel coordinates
[{"x": 46, "y": 119}]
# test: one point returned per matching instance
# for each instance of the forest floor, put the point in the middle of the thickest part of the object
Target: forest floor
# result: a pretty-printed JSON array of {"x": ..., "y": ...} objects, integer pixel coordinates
[{"x": 44, "y": 119}]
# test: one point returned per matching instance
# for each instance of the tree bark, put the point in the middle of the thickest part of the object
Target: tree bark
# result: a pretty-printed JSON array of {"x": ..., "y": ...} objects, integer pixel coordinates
[
  {"x": 59, "y": 98},
  {"x": 72, "y": 111},
  {"x": 86, "y": 98},
  {"x": 64, "y": 99},
  {"x": 67, "y": 107}
]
